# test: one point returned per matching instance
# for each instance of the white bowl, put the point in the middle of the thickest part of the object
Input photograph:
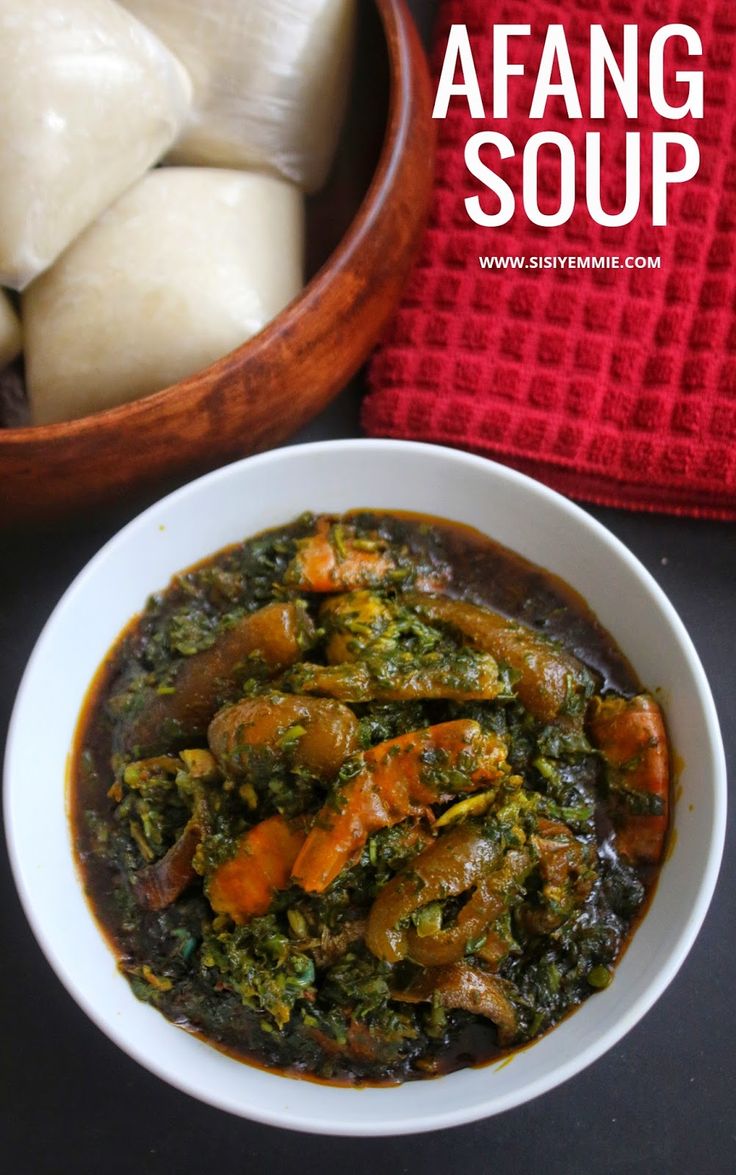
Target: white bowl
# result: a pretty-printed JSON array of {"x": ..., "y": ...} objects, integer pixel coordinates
[{"x": 261, "y": 492}]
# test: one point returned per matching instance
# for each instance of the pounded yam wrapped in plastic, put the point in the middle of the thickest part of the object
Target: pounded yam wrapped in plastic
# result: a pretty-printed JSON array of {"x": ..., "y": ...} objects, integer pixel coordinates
[
  {"x": 270, "y": 80},
  {"x": 90, "y": 98},
  {"x": 9, "y": 332},
  {"x": 184, "y": 268}
]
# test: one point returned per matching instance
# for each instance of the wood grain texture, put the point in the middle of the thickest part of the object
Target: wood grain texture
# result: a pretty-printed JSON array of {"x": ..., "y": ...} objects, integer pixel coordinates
[{"x": 263, "y": 392}]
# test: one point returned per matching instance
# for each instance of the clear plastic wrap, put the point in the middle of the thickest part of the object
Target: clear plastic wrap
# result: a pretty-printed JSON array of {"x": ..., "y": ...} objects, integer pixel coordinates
[
  {"x": 186, "y": 265},
  {"x": 90, "y": 98},
  {"x": 270, "y": 80},
  {"x": 10, "y": 337}
]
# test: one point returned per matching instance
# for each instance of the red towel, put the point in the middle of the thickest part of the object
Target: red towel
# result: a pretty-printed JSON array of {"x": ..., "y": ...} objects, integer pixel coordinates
[{"x": 614, "y": 386}]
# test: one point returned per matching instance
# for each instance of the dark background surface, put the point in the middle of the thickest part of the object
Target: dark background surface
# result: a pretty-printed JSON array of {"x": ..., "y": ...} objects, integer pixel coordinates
[{"x": 662, "y": 1101}]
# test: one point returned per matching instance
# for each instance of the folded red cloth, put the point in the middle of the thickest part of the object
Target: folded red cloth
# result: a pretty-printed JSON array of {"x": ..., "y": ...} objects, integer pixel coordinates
[{"x": 616, "y": 386}]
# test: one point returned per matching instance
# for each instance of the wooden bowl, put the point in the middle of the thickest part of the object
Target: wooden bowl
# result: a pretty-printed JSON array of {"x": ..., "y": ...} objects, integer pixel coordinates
[{"x": 363, "y": 233}]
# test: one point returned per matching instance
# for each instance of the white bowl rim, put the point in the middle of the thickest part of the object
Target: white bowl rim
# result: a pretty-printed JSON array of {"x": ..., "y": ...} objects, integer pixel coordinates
[{"x": 352, "y": 1124}]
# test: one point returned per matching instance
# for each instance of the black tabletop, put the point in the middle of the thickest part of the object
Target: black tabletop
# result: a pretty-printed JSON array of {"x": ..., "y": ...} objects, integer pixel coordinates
[{"x": 662, "y": 1101}]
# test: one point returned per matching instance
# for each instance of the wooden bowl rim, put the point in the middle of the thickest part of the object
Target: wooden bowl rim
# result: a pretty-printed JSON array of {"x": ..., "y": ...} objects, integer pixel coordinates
[{"x": 397, "y": 23}]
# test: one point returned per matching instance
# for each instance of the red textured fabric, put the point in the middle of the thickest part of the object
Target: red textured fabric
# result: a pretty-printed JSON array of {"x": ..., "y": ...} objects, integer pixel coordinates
[{"x": 614, "y": 386}]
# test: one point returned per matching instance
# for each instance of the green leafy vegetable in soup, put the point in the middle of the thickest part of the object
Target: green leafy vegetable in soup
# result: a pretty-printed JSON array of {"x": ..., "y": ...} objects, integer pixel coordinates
[{"x": 369, "y": 799}]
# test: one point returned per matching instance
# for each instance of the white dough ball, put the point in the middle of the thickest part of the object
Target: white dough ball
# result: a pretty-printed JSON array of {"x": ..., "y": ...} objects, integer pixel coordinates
[
  {"x": 10, "y": 340},
  {"x": 184, "y": 268},
  {"x": 89, "y": 99},
  {"x": 270, "y": 80}
]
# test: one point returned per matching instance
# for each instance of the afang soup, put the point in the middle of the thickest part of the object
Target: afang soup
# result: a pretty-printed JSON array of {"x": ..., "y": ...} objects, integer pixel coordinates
[{"x": 368, "y": 799}]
